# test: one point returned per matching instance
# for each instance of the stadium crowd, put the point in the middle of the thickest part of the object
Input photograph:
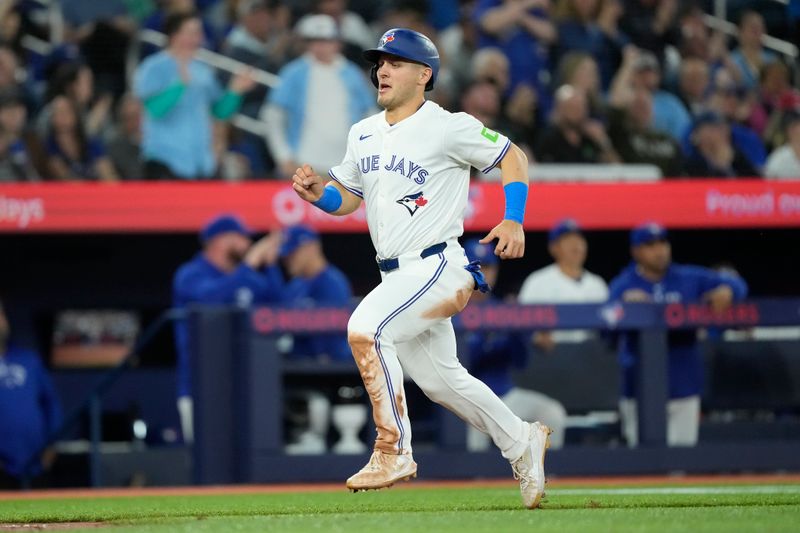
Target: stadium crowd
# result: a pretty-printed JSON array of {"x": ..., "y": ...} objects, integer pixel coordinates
[{"x": 570, "y": 81}]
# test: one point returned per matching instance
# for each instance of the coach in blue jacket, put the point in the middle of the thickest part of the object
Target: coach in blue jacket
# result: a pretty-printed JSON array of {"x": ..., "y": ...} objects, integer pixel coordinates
[
  {"x": 29, "y": 409},
  {"x": 653, "y": 277},
  {"x": 230, "y": 269}
]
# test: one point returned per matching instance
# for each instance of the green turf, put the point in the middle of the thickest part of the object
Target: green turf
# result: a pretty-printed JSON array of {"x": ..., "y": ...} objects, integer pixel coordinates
[{"x": 580, "y": 509}]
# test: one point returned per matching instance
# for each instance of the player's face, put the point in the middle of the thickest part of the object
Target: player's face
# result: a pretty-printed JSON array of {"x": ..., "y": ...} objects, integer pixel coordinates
[
  {"x": 571, "y": 249},
  {"x": 399, "y": 81},
  {"x": 655, "y": 255}
]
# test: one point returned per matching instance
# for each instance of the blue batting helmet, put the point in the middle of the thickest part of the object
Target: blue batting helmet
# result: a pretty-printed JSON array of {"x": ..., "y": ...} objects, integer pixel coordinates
[{"x": 408, "y": 44}]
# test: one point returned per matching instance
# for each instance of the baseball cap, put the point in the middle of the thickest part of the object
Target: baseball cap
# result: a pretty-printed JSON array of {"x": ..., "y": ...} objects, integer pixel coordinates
[
  {"x": 223, "y": 224},
  {"x": 647, "y": 233},
  {"x": 296, "y": 236},
  {"x": 568, "y": 225},
  {"x": 320, "y": 27},
  {"x": 480, "y": 252}
]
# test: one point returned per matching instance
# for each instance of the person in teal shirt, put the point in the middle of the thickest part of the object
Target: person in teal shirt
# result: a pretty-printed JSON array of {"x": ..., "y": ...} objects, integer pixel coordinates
[{"x": 180, "y": 96}]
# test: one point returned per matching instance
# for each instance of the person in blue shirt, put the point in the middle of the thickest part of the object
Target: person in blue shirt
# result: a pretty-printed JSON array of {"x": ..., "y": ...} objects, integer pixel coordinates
[
  {"x": 30, "y": 411},
  {"x": 493, "y": 355},
  {"x": 314, "y": 282},
  {"x": 231, "y": 270},
  {"x": 653, "y": 277},
  {"x": 180, "y": 96}
]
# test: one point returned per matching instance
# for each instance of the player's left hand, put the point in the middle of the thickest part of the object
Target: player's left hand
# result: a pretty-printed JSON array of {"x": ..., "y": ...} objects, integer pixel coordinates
[
  {"x": 720, "y": 298},
  {"x": 510, "y": 239}
]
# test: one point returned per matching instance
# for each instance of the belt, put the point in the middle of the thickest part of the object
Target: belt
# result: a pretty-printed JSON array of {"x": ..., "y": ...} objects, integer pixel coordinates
[{"x": 387, "y": 265}]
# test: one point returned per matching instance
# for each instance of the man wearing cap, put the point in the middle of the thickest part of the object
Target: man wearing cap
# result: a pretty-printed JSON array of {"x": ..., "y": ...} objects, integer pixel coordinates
[
  {"x": 714, "y": 153},
  {"x": 231, "y": 270},
  {"x": 784, "y": 161},
  {"x": 492, "y": 356},
  {"x": 314, "y": 281},
  {"x": 653, "y": 277},
  {"x": 565, "y": 281},
  {"x": 669, "y": 114},
  {"x": 321, "y": 94}
]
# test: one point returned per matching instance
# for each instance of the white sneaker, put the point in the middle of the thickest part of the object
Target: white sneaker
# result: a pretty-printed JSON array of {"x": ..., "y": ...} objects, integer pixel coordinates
[
  {"x": 383, "y": 470},
  {"x": 529, "y": 468}
]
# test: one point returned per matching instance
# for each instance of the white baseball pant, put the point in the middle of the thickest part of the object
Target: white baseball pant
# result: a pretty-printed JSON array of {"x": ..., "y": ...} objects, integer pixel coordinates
[
  {"x": 683, "y": 421},
  {"x": 528, "y": 405},
  {"x": 404, "y": 324}
]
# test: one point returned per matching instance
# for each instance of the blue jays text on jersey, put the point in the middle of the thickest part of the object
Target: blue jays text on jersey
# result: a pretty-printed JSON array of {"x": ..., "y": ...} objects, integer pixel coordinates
[{"x": 410, "y": 169}]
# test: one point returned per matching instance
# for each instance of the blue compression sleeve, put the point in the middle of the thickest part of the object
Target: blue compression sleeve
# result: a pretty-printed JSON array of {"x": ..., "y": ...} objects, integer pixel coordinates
[
  {"x": 516, "y": 195},
  {"x": 330, "y": 201}
]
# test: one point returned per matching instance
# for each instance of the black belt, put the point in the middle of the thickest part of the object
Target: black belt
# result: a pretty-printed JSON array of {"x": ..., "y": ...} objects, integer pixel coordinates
[{"x": 387, "y": 265}]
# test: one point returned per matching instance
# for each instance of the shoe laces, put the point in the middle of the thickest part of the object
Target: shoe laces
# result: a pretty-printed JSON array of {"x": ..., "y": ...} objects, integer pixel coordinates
[{"x": 522, "y": 471}]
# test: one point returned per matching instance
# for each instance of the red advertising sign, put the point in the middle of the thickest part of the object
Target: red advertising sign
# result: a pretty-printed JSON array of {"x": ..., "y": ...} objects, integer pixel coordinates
[{"x": 171, "y": 206}]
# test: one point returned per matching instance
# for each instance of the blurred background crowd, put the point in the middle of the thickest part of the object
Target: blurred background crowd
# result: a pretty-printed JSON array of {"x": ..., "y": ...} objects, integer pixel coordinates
[{"x": 656, "y": 82}]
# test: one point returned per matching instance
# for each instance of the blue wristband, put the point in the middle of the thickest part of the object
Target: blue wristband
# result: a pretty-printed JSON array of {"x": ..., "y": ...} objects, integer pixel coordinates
[
  {"x": 516, "y": 195},
  {"x": 330, "y": 201}
]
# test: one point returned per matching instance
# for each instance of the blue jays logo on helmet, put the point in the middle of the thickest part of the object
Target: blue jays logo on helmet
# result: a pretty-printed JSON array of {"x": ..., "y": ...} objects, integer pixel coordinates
[
  {"x": 407, "y": 44},
  {"x": 387, "y": 38},
  {"x": 413, "y": 202}
]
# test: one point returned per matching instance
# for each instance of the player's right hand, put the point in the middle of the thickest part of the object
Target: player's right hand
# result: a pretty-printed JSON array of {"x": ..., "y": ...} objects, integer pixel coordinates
[{"x": 308, "y": 184}]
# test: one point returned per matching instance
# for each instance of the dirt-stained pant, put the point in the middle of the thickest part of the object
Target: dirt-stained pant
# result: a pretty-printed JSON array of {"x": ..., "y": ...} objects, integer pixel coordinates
[{"x": 404, "y": 324}]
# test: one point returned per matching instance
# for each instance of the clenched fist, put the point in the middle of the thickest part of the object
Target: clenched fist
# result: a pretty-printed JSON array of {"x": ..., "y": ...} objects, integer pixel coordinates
[{"x": 308, "y": 184}]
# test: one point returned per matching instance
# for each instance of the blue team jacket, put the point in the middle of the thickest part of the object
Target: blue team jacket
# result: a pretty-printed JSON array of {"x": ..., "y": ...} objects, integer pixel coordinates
[
  {"x": 329, "y": 288},
  {"x": 29, "y": 408},
  {"x": 682, "y": 283},
  {"x": 198, "y": 281}
]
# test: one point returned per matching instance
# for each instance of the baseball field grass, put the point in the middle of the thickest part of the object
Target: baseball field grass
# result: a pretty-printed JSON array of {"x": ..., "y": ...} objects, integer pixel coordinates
[{"x": 641, "y": 507}]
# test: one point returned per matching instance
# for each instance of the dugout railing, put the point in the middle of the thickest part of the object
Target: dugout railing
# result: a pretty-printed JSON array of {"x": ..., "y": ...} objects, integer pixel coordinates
[{"x": 240, "y": 380}]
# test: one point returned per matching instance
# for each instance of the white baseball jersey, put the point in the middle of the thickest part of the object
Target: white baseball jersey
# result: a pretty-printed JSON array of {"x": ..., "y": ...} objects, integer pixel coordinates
[
  {"x": 550, "y": 285},
  {"x": 414, "y": 175}
]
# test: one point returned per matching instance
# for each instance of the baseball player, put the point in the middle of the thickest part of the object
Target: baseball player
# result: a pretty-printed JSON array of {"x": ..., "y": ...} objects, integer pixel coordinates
[
  {"x": 410, "y": 164},
  {"x": 653, "y": 277}
]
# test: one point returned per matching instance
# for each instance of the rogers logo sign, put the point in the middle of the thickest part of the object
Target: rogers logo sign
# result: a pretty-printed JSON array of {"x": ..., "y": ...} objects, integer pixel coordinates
[
  {"x": 21, "y": 212},
  {"x": 697, "y": 315}
]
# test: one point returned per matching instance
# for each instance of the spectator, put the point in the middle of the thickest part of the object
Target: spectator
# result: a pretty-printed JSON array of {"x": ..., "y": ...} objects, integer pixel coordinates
[
  {"x": 697, "y": 41},
  {"x": 125, "y": 145},
  {"x": 18, "y": 148},
  {"x": 750, "y": 57},
  {"x": 320, "y": 87},
  {"x": 574, "y": 137},
  {"x": 522, "y": 117},
  {"x": 30, "y": 411},
  {"x": 592, "y": 27},
  {"x": 354, "y": 33},
  {"x": 580, "y": 71},
  {"x": 776, "y": 96},
  {"x": 179, "y": 94},
  {"x": 630, "y": 124},
  {"x": 493, "y": 355},
  {"x": 714, "y": 153},
  {"x": 563, "y": 282},
  {"x": 522, "y": 29},
  {"x": 481, "y": 99},
  {"x": 229, "y": 270},
  {"x": 157, "y": 21},
  {"x": 491, "y": 64},
  {"x": 314, "y": 281},
  {"x": 653, "y": 277},
  {"x": 75, "y": 80},
  {"x": 694, "y": 80},
  {"x": 72, "y": 153},
  {"x": 651, "y": 25},
  {"x": 459, "y": 44},
  {"x": 669, "y": 115},
  {"x": 9, "y": 69},
  {"x": 784, "y": 162},
  {"x": 250, "y": 42}
]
